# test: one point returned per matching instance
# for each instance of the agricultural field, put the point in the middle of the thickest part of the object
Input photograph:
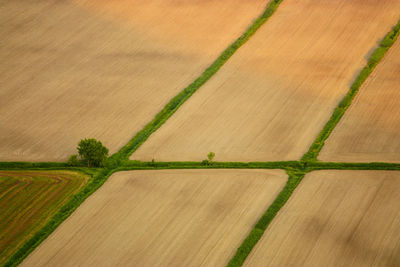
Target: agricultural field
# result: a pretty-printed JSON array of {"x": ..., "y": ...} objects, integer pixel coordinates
[
  {"x": 76, "y": 69},
  {"x": 27, "y": 200},
  {"x": 218, "y": 120},
  {"x": 370, "y": 129},
  {"x": 162, "y": 217},
  {"x": 271, "y": 99},
  {"x": 336, "y": 218}
]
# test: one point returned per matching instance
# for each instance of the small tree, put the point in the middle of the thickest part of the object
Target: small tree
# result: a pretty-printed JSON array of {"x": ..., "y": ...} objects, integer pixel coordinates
[
  {"x": 92, "y": 152},
  {"x": 211, "y": 156}
]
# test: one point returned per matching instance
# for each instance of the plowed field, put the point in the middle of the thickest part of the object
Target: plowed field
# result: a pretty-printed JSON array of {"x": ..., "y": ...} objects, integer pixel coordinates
[
  {"x": 168, "y": 217},
  {"x": 336, "y": 218},
  {"x": 103, "y": 69},
  {"x": 272, "y": 98},
  {"x": 370, "y": 128}
]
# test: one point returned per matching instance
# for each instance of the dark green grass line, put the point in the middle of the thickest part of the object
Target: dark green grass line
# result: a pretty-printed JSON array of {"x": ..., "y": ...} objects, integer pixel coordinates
[
  {"x": 178, "y": 100},
  {"x": 29, "y": 165},
  {"x": 339, "y": 111},
  {"x": 93, "y": 184},
  {"x": 214, "y": 165},
  {"x": 296, "y": 165},
  {"x": 251, "y": 240}
]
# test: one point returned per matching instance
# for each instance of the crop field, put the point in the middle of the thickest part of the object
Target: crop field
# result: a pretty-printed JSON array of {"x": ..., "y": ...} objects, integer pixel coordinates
[
  {"x": 238, "y": 132},
  {"x": 336, "y": 218},
  {"x": 76, "y": 69},
  {"x": 166, "y": 217},
  {"x": 27, "y": 199},
  {"x": 271, "y": 99},
  {"x": 370, "y": 129}
]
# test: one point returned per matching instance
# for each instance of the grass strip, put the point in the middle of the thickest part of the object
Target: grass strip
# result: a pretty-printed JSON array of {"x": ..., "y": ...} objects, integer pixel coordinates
[
  {"x": 93, "y": 184},
  {"x": 30, "y": 165},
  {"x": 178, "y": 100},
  {"x": 339, "y": 111},
  {"x": 312, "y": 166},
  {"x": 251, "y": 240},
  {"x": 212, "y": 165}
]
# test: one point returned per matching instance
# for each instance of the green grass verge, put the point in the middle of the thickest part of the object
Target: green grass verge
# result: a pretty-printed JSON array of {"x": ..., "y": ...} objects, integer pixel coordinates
[
  {"x": 213, "y": 165},
  {"x": 178, "y": 100},
  {"x": 251, "y": 240},
  {"x": 312, "y": 166},
  {"x": 338, "y": 113},
  {"x": 30, "y": 165},
  {"x": 93, "y": 184}
]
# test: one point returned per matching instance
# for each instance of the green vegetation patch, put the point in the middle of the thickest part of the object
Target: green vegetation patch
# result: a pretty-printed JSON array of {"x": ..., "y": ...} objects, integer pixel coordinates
[
  {"x": 27, "y": 200},
  {"x": 98, "y": 179}
]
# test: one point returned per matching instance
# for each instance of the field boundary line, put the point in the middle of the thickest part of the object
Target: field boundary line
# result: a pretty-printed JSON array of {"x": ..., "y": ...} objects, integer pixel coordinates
[
  {"x": 373, "y": 61},
  {"x": 161, "y": 165},
  {"x": 173, "y": 105}
]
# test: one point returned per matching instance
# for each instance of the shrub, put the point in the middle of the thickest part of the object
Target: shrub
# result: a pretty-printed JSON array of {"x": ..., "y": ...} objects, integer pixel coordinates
[
  {"x": 205, "y": 162},
  {"x": 92, "y": 152},
  {"x": 73, "y": 161}
]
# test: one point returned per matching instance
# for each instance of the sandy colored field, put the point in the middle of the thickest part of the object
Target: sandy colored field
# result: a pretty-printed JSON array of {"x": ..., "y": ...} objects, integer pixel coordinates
[
  {"x": 370, "y": 128},
  {"x": 336, "y": 218},
  {"x": 76, "y": 69},
  {"x": 168, "y": 218},
  {"x": 27, "y": 200},
  {"x": 274, "y": 95}
]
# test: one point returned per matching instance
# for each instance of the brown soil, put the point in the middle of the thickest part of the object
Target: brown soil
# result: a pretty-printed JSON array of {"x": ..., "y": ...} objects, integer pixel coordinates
[
  {"x": 370, "y": 128},
  {"x": 162, "y": 218},
  {"x": 69, "y": 71},
  {"x": 275, "y": 94},
  {"x": 336, "y": 218}
]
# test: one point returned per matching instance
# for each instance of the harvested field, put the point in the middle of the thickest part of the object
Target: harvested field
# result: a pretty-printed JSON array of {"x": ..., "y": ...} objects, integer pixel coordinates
[
  {"x": 370, "y": 128},
  {"x": 27, "y": 200},
  {"x": 77, "y": 69},
  {"x": 167, "y": 217},
  {"x": 272, "y": 98},
  {"x": 336, "y": 218}
]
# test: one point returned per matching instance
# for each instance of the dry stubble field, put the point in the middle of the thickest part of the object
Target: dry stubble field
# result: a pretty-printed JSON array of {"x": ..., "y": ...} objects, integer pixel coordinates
[
  {"x": 103, "y": 69},
  {"x": 370, "y": 128},
  {"x": 166, "y": 217},
  {"x": 27, "y": 200},
  {"x": 336, "y": 218},
  {"x": 271, "y": 99}
]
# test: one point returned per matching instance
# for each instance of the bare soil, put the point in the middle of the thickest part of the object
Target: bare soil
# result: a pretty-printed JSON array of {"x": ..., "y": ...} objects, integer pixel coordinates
[
  {"x": 77, "y": 69},
  {"x": 336, "y": 218},
  {"x": 162, "y": 218},
  {"x": 272, "y": 98},
  {"x": 370, "y": 129}
]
